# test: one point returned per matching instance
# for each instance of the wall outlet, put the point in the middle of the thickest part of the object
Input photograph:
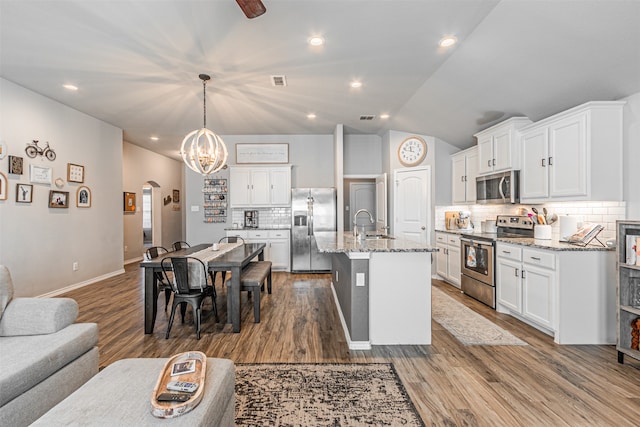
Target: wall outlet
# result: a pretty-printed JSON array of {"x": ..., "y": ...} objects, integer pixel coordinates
[
  {"x": 126, "y": 248},
  {"x": 75, "y": 266},
  {"x": 359, "y": 279}
]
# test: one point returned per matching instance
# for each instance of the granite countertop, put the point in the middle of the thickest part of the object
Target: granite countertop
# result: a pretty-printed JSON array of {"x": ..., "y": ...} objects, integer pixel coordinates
[
  {"x": 333, "y": 242},
  {"x": 553, "y": 244}
]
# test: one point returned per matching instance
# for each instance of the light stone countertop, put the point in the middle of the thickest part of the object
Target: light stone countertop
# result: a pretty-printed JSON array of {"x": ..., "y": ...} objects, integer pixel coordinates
[
  {"x": 553, "y": 244},
  {"x": 333, "y": 242}
]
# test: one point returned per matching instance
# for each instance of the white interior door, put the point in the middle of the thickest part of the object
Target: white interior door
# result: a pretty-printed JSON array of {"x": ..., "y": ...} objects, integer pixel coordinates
[
  {"x": 412, "y": 204},
  {"x": 363, "y": 196},
  {"x": 381, "y": 203}
]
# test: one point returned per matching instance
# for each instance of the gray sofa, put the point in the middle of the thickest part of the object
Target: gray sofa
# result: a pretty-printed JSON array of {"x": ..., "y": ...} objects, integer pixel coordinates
[{"x": 44, "y": 355}]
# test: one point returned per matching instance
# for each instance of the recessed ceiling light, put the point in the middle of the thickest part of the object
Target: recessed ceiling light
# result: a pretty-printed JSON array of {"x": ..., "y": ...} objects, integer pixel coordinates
[
  {"x": 316, "y": 41},
  {"x": 384, "y": 116},
  {"x": 311, "y": 116},
  {"x": 154, "y": 138},
  {"x": 447, "y": 41},
  {"x": 70, "y": 87},
  {"x": 356, "y": 84}
]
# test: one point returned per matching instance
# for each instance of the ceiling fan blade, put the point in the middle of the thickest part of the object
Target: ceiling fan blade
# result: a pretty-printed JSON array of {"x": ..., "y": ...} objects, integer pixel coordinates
[{"x": 252, "y": 8}]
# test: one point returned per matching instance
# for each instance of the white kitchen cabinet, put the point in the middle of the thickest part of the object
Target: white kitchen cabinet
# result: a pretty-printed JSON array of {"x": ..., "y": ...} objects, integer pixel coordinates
[
  {"x": 499, "y": 147},
  {"x": 448, "y": 257},
  {"x": 277, "y": 249},
  {"x": 526, "y": 287},
  {"x": 569, "y": 294},
  {"x": 259, "y": 186},
  {"x": 574, "y": 155},
  {"x": 508, "y": 268},
  {"x": 464, "y": 167}
]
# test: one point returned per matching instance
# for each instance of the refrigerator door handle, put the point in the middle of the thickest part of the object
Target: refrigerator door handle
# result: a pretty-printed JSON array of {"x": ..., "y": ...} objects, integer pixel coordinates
[{"x": 310, "y": 222}]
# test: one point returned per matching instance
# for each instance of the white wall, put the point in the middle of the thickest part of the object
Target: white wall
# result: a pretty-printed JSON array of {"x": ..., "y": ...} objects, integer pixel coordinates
[
  {"x": 312, "y": 157},
  {"x": 38, "y": 244},
  {"x": 631, "y": 153},
  {"x": 362, "y": 155},
  {"x": 141, "y": 166}
]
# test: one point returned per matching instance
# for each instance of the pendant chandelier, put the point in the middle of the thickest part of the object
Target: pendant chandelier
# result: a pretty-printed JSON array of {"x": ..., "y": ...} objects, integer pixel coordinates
[{"x": 202, "y": 150}]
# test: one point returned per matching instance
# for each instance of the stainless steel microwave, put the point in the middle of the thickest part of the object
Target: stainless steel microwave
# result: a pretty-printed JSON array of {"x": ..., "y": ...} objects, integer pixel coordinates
[{"x": 498, "y": 188}]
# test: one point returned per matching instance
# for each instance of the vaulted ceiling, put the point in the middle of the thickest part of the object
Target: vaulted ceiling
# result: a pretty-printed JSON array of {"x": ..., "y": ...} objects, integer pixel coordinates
[{"x": 136, "y": 63}]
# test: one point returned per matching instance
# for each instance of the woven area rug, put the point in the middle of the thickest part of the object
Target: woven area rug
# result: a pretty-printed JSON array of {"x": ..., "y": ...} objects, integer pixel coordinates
[
  {"x": 466, "y": 325},
  {"x": 322, "y": 395}
]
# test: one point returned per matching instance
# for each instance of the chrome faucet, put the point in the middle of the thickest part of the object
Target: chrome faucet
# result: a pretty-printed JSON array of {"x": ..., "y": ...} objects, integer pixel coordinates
[{"x": 355, "y": 221}]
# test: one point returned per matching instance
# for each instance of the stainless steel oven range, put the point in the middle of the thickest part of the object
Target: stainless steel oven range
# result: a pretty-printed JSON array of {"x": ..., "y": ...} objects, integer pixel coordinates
[
  {"x": 478, "y": 257},
  {"x": 478, "y": 278}
]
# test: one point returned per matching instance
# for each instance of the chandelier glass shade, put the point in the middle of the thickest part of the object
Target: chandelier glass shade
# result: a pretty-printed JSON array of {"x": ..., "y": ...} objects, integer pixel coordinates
[{"x": 202, "y": 150}]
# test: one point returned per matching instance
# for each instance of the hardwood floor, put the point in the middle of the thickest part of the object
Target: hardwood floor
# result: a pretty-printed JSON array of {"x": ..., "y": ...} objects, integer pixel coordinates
[{"x": 542, "y": 384}]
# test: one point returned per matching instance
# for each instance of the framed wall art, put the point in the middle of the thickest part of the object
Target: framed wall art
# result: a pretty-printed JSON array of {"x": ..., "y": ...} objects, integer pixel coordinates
[
  {"x": 40, "y": 174},
  {"x": 3, "y": 186},
  {"x": 75, "y": 173},
  {"x": 176, "y": 196},
  {"x": 15, "y": 165},
  {"x": 58, "y": 199},
  {"x": 3, "y": 150},
  {"x": 24, "y": 193},
  {"x": 262, "y": 153},
  {"x": 83, "y": 197},
  {"x": 129, "y": 202}
]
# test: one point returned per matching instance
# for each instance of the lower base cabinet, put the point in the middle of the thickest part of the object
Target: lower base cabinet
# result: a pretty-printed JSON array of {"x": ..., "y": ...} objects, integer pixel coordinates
[
  {"x": 526, "y": 288},
  {"x": 277, "y": 243},
  {"x": 448, "y": 257},
  {"x": 569, "y": 294}
]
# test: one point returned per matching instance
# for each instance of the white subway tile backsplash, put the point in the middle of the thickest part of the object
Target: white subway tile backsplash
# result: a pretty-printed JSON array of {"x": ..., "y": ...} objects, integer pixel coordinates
[{"x": 604, "y": 213}]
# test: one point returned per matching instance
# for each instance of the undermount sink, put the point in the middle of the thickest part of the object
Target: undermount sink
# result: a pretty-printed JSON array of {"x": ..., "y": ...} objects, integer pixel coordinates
[{"x": 378, "y": 236}]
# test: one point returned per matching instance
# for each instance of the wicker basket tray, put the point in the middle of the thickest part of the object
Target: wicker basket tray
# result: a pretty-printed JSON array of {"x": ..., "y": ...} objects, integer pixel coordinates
[{"x": 190, "y": 366}]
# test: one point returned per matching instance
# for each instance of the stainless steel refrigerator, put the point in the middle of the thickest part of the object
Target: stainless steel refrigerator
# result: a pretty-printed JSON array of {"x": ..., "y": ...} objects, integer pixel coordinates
[{"x": 312, "y": 210}]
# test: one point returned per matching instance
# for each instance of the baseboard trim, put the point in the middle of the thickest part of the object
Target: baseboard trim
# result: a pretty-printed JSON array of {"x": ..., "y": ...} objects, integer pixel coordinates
[
  {"x": 353, "y": 345},
  {"x": 132, "y": 260},
  {"x": 81, "y": 284}
]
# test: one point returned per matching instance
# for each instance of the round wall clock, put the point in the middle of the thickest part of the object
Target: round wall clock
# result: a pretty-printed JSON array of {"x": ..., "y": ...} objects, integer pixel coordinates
[{"x": 412, "y": 151}]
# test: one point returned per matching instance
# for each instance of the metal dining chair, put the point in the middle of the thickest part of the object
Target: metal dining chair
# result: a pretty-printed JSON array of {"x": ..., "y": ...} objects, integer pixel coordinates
[
  {"x": 189, "y": 286},
  {"x": 180, "y": 244},
  {"x": 163, "y": 283}
]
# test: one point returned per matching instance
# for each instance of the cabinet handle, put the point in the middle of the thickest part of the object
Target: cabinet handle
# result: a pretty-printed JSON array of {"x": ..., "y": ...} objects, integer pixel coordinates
[
  {"x": 462, "y": 178},
  {"x": 489, "y": 163},
  {"x": 494, "y": 162},
  {"x": 506, "y": 252},
  {"x": 535, "y": 257},
  {"x": 543, "y": 165},
  {"x": 522, "y": 274},
  {"x": 517, "y": 272},
  {"x": 550, "y": 161}
]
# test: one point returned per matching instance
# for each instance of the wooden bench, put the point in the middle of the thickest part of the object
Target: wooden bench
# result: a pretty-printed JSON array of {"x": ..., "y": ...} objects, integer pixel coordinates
[{"x": 252, "y": 280}]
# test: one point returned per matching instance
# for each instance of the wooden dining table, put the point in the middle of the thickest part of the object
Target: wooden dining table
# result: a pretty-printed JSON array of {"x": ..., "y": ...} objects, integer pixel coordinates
[{"x": 234, "y": 261}]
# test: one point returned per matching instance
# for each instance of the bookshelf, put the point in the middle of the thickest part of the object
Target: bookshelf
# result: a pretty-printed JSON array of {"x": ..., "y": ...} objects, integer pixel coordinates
[{"x": 628, "y": 292}]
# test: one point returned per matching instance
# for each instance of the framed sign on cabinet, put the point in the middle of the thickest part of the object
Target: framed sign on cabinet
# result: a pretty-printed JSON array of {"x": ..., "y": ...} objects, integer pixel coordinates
[{"x": 262, "y": 153}]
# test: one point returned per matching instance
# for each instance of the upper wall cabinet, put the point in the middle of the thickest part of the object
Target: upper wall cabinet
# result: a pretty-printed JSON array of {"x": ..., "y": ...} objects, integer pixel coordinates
[
  {"x": 574, "y": 155},
  {"x": 464, "y": 168},
  {"x": 498, "y": 146},
  {"x": 259, "y": 186}
]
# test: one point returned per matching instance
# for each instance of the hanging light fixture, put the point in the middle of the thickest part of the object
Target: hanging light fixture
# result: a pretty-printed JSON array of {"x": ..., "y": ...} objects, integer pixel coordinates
[{"x": 202, "y": 150}]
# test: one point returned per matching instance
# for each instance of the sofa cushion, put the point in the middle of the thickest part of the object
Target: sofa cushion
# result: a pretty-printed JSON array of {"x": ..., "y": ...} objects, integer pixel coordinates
[
  {"x": 6, "y": 288},
  {"x": 34, "y": 316},
  {"x": 27, "y": 360}
]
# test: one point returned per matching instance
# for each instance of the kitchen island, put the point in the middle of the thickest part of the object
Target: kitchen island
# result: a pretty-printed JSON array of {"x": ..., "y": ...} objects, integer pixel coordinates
[{"x": 382, "y": 288}]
